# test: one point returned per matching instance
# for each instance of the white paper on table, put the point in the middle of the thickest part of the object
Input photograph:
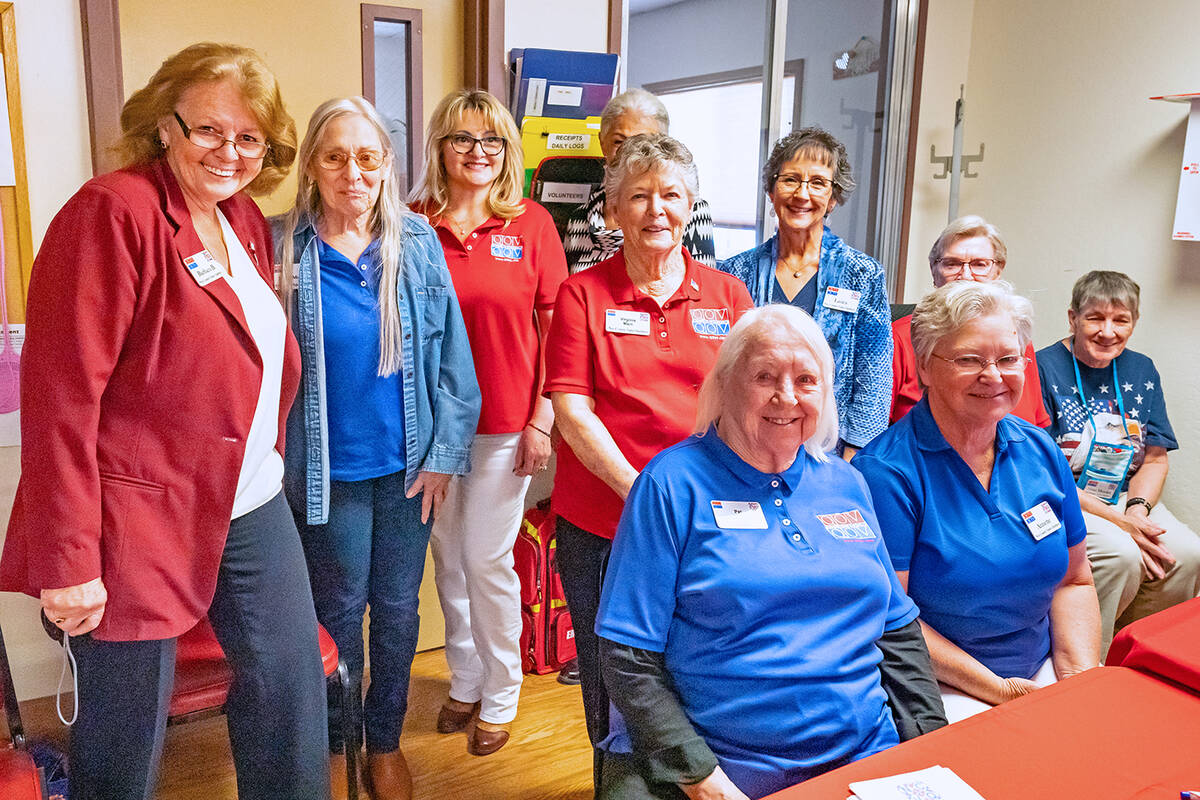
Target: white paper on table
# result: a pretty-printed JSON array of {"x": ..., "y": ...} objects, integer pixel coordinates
[
  {"x": 934, "y": 783},
  {"x": 1187, "y": 208},
  {"x": 10, "y": 424},
  {"x": 8, "y": 172}
]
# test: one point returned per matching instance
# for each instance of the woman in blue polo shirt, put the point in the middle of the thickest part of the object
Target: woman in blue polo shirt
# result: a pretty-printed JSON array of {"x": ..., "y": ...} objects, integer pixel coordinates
[
  {"x": 749, "y": 593},
  {"x": 386, "y": 414},
  {"x": 979, "y": 509}
]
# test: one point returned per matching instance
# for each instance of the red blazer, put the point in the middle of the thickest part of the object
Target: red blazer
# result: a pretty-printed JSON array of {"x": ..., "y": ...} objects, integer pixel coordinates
[{"x": 138, "y": 387}]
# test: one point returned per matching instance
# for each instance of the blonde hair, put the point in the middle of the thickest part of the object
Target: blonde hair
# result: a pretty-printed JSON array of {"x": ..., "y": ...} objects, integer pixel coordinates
[
  {"x": 432, "y": 189},
  {"x": 386, "y": 222},
  {"x": 203, "y": 63},
  {"x": 774, "y": 323},
  {"x": 948, "y": 308}
]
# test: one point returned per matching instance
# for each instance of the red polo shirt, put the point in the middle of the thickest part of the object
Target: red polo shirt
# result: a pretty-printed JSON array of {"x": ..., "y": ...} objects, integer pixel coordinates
[
  {"x": 502, "y": 273},
  {"x": 906, "y": 391},
  {"x": 642, "y": 366}
]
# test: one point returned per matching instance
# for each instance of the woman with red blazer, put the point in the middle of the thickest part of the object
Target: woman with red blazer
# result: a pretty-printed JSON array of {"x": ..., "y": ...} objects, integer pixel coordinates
[{"x": 158, "y": 370}]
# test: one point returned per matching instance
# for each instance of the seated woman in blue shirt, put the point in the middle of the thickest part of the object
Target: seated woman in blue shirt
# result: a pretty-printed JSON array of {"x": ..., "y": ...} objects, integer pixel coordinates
[
  {"x": 749, "y": 593},
  {"x": 387, "y": 410},
  {"x": 807, "y": 265},
  {"x": 979, "y": 509}
]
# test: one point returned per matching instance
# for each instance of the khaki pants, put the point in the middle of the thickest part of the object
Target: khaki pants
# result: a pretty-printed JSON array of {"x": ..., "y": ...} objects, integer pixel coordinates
[{"x": 1125, "y": 591}]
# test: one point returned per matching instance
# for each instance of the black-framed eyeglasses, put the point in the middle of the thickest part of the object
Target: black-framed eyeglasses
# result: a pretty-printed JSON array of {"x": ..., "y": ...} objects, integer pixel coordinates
[
  {"x": 463, "y": 143},
  {"x": 367, "y": 160},
  {"x": 818, "y": 186},
  {"x": 976, "y": 365},
  {"x": 245, "y": 144}
]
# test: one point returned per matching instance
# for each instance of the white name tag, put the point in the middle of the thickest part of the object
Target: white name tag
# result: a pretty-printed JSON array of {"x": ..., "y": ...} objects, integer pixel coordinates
[
  {"x": 635, "y": 322},
  {"x": 204, "y": 268},
  {"x": 738, "y": 515},
  {"x": 564, "y": 95},
  {"x": 841, "y": 299},
  {"x": 1041, "y": 521}
]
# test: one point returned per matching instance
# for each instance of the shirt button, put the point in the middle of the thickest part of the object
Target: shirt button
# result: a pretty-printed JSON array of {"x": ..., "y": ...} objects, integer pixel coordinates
[
  {"x": 364, "y": 266},
  {"x": 775, "y": 483},
  {"x": 778, "y": 502},
  {"x": 660, "y": 319},
  {"x": 474, "y": 235},
  {"x": 795, "y": 537},
  {"x": 663, "y": 334},
  {"x": 364, "y": 283},
  {"x": 787, "y": 522},
  {"x": 468, "y": 247}
]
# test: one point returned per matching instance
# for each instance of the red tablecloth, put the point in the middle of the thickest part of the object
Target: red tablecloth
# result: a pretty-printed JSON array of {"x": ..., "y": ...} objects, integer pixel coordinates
[
  {"x": 1165, "y": 644},
  {"x": 1108, "y": 734}
]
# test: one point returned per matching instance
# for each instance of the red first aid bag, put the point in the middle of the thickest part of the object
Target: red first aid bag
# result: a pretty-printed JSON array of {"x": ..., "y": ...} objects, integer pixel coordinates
[{"x": 547, "y": 637}]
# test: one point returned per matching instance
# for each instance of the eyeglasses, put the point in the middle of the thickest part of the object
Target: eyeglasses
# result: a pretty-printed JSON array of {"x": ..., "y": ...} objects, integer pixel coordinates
[
  {"x": 464, "y": 143},
  {"x": 367, "y": 160},
  {"x": 976, "y": 365},
  {"x": 977, "y": 266},
  {"x": 245, "y": 144},
  {"x": 817, "y": 187}
]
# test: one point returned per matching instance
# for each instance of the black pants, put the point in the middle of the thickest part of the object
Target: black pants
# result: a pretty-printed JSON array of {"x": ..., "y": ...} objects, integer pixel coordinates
[
  {"x": 582, "y": 559},
  {"x": 263, "y": 616}
]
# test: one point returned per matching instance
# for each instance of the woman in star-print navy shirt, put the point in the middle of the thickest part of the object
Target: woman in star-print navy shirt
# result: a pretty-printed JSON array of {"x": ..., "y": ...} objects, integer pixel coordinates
[{"x": 1143, "y": 558}]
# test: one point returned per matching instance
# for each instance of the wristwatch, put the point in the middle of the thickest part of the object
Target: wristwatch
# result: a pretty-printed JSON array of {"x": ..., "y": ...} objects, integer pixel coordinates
[{"x": 1138, "y": 501}]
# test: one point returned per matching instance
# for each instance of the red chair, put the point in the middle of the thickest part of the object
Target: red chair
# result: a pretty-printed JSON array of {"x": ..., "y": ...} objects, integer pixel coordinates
[
  {"x": 202, "y": 678},
  {"x": 20, "y": 778}
]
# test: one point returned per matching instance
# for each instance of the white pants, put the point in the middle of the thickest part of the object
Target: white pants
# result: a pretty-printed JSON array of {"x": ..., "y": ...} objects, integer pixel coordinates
[
  {"x": 472, "y": 546},
  {"x": 1125, "y": 591},
  {"x": 959, "y": 706}
]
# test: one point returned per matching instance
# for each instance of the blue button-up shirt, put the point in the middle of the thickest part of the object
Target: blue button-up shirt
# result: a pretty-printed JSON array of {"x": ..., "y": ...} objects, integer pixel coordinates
[{"x": 441, "y": 395}]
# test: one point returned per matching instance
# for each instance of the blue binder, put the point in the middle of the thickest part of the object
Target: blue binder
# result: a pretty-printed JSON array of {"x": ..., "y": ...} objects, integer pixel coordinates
[{"x": 566, "y": 84}]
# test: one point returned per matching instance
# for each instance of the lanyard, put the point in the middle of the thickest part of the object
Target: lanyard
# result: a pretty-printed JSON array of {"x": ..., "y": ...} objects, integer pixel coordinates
[{"x": 1083, "y": 399}]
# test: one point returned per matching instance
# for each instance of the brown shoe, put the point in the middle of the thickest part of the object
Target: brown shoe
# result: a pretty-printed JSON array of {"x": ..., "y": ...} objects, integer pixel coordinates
[
  {"x": 339, "y": 788},
  {"x": 455, "y": 715},
  {"x": 388, "y": 777},
  {"x": 486, "y": 738}
]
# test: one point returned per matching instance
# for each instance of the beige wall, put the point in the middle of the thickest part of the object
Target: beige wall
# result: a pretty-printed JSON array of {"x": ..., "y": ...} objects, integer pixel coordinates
[
  {"x": 1081, "y": 169},
  {"x": 314, "y": 47}
]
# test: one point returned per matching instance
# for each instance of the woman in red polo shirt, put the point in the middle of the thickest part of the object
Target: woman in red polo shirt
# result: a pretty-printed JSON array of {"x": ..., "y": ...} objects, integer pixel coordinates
[
  {"x": 507, "y": 262},
  {"x": 632, "y": 340}
]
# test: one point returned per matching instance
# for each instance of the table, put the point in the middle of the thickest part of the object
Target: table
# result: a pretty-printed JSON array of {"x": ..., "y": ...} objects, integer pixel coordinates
[
  {"x": 1166, "y": 644},
  {"x": 1110, "y": 733}
]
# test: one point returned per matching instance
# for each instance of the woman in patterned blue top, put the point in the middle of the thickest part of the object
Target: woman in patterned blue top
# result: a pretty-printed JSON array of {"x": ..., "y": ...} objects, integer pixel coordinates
[
  {"x": 809, "y": 266},
  {"x": 1143, "y": 558}
]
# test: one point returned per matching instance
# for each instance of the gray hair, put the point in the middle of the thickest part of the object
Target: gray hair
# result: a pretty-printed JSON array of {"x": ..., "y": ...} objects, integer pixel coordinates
[
  {"x": 774, "y": 323},
  {"x": 1106, "y": 287},
  {"x": 966, "y": 227},
  {"x": 819, "y": 145},
  {"x": 387, "y": 222},
  {"x": 638, "y": 101},
  {"x": 946, "y": 310},
  {"x": 650, "y": 152}
]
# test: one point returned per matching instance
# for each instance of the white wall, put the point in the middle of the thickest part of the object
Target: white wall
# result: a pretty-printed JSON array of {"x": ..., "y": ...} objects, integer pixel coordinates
[
  {"x": 53, "y": 101},
  {"x": 1081, "y": 169},
  {"x": 704, "y": 36},
  {"x": 559, "y": 25}
]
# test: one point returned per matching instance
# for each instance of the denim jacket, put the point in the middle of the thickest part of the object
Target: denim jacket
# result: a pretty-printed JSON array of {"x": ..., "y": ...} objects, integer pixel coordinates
[
  {"x": 861, "y": 341},
  {"x": 441, "y": 395}
]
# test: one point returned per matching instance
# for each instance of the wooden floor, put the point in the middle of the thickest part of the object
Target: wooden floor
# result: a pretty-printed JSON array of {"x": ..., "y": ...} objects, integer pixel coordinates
[{"x": 548, "y": 757}]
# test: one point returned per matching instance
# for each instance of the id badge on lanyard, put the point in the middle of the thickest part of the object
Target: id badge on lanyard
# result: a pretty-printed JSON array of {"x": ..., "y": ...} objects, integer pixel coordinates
[{"x": 1107, "y": 464}]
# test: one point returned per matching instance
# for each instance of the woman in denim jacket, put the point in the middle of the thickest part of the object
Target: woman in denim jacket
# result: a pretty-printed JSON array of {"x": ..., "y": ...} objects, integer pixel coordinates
[
  {"x": 809, "y": 266},
  {"x": 387, "y": 409}
]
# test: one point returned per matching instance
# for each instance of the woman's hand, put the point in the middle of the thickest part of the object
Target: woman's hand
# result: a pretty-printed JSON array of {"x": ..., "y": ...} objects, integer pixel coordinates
[
  {"x": 533, "y": 452},
  {"x": 1012, "y": 688},
  {"x": 434, "y": 484},
  {"x": 716, "y": 786},
  {"x": 76, "y": 609},
  {"x": 1156, "y": 558}
]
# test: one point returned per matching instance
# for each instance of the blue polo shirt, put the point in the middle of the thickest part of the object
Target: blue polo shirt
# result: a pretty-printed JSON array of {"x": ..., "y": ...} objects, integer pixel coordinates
[
  {"x": 767, "y": 616},
  {"x": 976, "y": 571},
  {"x": 365, "y": 411}
]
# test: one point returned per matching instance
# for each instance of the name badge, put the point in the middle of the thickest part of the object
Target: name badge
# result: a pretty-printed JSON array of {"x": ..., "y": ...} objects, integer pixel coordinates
[
  {"x": 1041, "y": 521},
  {"x": 849, "y": 526},
  {"x": 738, "y": 515},
  {"x": 840, "y": 299},
  {"x": 634, "y": 322},
  {"x": 204, "y": 268}
]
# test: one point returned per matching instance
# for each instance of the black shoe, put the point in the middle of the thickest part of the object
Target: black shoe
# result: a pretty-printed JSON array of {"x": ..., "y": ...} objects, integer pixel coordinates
[{"x": 569, "y": 674}]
